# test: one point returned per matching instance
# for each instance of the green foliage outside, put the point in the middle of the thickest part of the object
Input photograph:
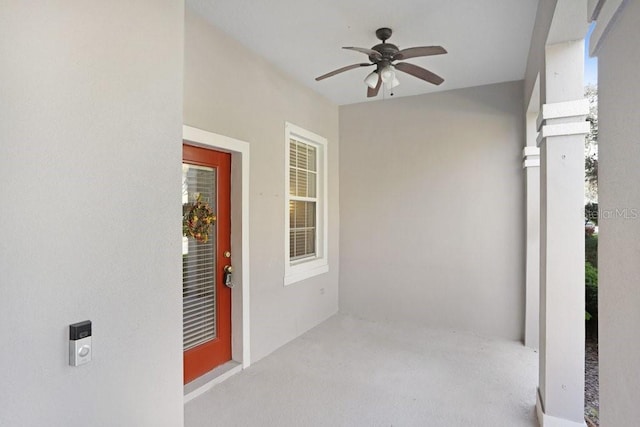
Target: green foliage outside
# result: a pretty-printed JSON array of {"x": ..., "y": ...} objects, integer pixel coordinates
[
  {"x": 591, "y": 213},
  {"x": 591, "y": 250},
  {"x": 591, "y": 145},
  {"x": 591, "y": 290},
  {"x": 591, "y": 282}
]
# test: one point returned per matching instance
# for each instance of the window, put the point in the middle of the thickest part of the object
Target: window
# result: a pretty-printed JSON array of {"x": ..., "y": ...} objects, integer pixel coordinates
[{"x": 306, "y": 205}]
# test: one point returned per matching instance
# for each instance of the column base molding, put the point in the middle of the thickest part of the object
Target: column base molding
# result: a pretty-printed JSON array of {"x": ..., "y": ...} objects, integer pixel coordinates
[
  {"x": 563, "y": 119},
  {"x": 578, "y": 109},
  {"x": 545, "y": 420},
  {"x": 530, "y": 157},
  {"x": 563, "y": 129}
]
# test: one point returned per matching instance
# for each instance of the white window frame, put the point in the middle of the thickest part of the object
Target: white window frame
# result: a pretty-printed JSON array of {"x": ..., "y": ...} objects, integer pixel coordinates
[{"x": 298, "y": 270}]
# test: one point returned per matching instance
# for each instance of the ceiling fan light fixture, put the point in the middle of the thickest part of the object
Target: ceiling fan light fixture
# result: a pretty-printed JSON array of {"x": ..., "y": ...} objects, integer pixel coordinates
[
  {"x": 387, "y": 74},
  {"x": 393, "y": 83},
  {"x": 372, "y": 80}
]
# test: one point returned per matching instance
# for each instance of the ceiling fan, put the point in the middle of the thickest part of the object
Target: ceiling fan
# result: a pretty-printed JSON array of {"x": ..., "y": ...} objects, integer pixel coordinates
[{"x": 383, "y": 56}]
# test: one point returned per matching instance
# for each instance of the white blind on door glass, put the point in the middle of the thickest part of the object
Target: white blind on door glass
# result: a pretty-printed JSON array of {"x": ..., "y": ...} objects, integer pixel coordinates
[{"x": 198, "y": 265}]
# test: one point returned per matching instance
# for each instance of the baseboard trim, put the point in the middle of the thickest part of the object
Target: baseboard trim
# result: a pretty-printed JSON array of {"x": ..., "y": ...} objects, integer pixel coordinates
[
  {"x": 210, "y": 379},
  {"x": 545, "y": 420}
]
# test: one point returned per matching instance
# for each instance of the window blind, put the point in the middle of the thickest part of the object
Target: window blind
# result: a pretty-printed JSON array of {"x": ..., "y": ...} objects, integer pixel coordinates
[
  {"x": 303, "y": 199},
  {"x": 198, "y": 265}
]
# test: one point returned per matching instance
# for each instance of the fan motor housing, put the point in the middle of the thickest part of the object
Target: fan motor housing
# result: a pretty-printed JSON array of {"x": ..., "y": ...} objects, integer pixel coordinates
[{"x": 386, "y": 49}]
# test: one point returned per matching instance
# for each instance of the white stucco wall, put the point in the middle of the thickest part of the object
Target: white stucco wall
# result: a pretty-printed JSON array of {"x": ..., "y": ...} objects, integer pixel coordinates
[
  {"x": 90, "y": 129},
  {"x": 535, "y": 59},
  {"x": 432, "y": 210},
  {"x": 619, "y": 226},
  {"x": 231, "y": 91}
]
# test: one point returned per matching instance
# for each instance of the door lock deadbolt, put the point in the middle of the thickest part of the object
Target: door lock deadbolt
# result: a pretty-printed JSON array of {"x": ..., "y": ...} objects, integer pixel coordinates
[{"x": 226, "y": 276}]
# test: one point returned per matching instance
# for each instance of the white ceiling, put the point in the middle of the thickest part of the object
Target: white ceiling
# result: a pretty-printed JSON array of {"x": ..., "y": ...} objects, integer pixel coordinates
[{"x": 487, "y": 40}]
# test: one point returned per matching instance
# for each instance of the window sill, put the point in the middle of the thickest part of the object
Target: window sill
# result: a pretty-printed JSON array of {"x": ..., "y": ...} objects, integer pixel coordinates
[{"x": 302, "y": 272}]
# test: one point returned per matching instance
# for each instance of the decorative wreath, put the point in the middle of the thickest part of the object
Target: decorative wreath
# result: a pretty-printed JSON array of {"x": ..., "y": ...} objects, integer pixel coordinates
[{"x": 197, "y": 218}]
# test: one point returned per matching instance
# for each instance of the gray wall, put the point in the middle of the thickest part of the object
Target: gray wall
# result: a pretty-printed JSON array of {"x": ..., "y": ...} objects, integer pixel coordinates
[
  {"x": 234, "y": 92},
  {"x": 619, "y": 243},
  {"x": 90, "y": 124},
  {"x": 432, "y": 210}
]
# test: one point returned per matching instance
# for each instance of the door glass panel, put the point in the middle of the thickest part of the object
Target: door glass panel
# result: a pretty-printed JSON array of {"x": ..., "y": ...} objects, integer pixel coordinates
[{"x": 198, "y": 263}]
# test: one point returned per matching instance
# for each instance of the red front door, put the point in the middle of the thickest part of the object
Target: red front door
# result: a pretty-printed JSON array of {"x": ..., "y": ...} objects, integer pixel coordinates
[{"x": 206, "y": 299}]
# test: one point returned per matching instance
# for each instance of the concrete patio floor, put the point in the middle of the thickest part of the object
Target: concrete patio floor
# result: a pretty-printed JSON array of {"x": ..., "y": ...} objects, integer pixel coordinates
[{"x": 350, "y": 372}]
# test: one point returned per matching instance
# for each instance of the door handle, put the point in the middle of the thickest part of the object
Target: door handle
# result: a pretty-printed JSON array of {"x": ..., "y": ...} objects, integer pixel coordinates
[{"x": 226, "y": 276}]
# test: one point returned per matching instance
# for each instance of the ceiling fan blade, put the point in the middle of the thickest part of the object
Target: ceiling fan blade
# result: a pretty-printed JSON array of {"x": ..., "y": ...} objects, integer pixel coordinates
[
  {"x": 341, "y": 70},
  {"x": 414, "y": 52},
  {"x": 374, "y": 92},
  {"x": 369, "y": 52},
  {"x": 419, "y": 72}
]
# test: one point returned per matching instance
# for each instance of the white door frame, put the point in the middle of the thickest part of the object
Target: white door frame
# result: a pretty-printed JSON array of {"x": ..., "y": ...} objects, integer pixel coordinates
[{"x": 240, "y": 326}]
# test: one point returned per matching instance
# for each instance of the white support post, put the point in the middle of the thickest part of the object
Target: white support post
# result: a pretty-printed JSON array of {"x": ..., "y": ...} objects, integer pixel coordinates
[
  {"x": 561, "y": 139},
  {"x": 531, "y": 165}
]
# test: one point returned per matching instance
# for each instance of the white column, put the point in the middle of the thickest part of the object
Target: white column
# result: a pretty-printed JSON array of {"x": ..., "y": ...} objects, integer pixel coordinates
[
  {"x": 615, "y": 42},
  {"x": 562, "y": 128},
  {"x": 531, "y": 165}
]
